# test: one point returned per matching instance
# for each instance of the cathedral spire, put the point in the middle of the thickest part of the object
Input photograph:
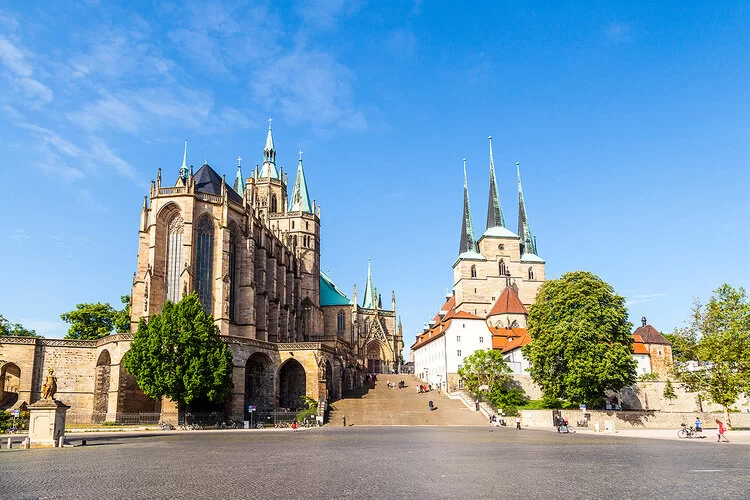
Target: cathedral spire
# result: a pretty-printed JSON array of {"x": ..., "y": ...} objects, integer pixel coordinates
[
  {"x": 269, "y": 156},
  {"x": 239, "y": 181},
  {"x": 300, "y": 200},
  {"x": 184, "y": 169},
  {"x": 370, "y": 300},
  {"x": 494, "y": 209},
  {"x": 528, "y": 245},
  {"x": 468, "y": 243}
]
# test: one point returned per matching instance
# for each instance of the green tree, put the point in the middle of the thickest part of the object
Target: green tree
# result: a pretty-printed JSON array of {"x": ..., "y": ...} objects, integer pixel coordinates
[
  {"x": 722, "y": 348},
  {"x": 90, "y": 321},
  {"x": 683, "y": 345},
  {"x": 484, "y": 371},
  {"x": 122, "y": 317},
  {"x": 9, "y": 329},
  {"x": 581, "y": 342},
  {"x": 179, "y": 354},
  {"x": 669, "y": 393}
]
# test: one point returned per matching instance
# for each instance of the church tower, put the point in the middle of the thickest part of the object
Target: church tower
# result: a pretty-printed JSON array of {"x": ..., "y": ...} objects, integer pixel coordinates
[
  {"x": 271, "y": 182},
  {"x": 499, "y": 259}
]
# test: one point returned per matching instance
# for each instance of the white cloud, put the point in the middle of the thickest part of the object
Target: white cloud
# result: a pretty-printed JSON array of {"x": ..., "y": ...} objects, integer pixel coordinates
[
  {"x": 54, "y": 329},
  {"x": 200, "y": 47},
  {"x": 318, "y": 90},
  {"x": 326, "y": 13},
  {"x": 33, "y": 92},
  {"x": 19, "y": 234},
  {"x": 13, "y": 59},
  {"x": 643, "y": 298},
  {"x": 107, "y": 112}
]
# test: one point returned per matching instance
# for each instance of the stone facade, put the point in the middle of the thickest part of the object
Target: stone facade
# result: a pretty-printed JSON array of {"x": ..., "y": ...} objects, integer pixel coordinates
[{"x": 252, "y": 255}]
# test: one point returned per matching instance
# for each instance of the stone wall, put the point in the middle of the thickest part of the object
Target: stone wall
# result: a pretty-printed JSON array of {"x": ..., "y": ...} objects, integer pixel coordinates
[{"x": 631, "y": 419}]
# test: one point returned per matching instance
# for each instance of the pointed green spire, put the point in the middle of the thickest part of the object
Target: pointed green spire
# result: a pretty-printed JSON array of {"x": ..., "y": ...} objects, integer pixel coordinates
[
  {"x": 300, "y": 199},
  {"x": 269, "y": 156},
  {"x": 239, "y": 181},
  {"x": 494, "y": 210},
  {"x": 184, "y": 168},
  {"x": 369, "y": 300},
  {"x": 468, "y": 243},
  {"x": 528, "y": 245}
]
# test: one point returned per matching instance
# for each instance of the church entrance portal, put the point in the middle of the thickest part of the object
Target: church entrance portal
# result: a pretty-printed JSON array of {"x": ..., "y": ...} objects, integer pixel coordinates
[
  {"x": 292, "y": 385},
  {"x": 259, "y": 382},
  {"x": 374, "y": 363}
]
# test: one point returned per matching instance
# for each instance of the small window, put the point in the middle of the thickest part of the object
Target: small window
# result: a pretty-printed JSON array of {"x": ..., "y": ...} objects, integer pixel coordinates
[
  {"x": 501, "y": 268},
  {"x": 493, "y": 299},
  {"x": 458, "y": 338},
  {"x": 501, "y": 247},
  {"x": 481, "y": 340},
  {"x": 463, "y": 325},
  {"x": 659, "y": 352},
  {"x": 307, "y": 225},
  {"x": 292, "y": 224},
  {"x": 458, "y": 352},
  {"x": 473, "y": 271},
  {"x": 531, "y": 274}
]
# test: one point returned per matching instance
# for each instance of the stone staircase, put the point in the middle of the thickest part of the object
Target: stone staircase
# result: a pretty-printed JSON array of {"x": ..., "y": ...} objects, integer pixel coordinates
[{"x": 382, "y": 406}]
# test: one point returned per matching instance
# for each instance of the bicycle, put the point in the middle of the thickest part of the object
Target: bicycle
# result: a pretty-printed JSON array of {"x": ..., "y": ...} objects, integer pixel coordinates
[
  {"x": 166, "y": 426},
  {"x": 686, "y": 432}
]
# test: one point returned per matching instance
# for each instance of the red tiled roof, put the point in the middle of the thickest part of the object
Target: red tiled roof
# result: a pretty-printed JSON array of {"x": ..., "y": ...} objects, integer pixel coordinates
[
  {"x": 517, "y": 342},
  {"x": 651, "y": 335},
  {"x": 639, "y": 348},
  {"x": 465, "y": 315},
  {"x": 501, "y": 337},
  {"x": 508, "y": 303}
]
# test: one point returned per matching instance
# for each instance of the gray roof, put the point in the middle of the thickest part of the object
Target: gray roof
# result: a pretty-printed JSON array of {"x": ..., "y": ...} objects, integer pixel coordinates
[{"x": 208, "y": 181}]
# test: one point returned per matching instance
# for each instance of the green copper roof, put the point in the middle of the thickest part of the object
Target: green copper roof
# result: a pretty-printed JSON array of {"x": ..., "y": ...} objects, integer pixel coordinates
[
  {"x": 468, "y": 243},
  {"x": 239, "y": 182},
  {"x": 269, "y": 157},
  {"x": 330, "y": 294},
  {"x": 184, "y": 167},
  {"x": 300, "y": 199},
  {"x": 370, "y": 300},
  {"x": 528, "y": 245},
  {"x": 495, "y": 216}
]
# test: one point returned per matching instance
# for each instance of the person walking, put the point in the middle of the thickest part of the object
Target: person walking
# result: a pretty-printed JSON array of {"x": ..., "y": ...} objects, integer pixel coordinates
[
  {"x": 294, "y": 426},
  {"x": 518, "y": 423},
  {"x": 720, "y": 431},
  {"x": 698, "y": 424}
]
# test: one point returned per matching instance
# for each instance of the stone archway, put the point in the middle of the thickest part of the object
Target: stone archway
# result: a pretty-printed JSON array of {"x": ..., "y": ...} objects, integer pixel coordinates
[
  {"x": 376, "y": 359},
  {"x": 102, "y": 377},
  {"x": 292, "y": 385},
  {"x": 10, "y": 382},
  {"x": 259, "y": 383}
]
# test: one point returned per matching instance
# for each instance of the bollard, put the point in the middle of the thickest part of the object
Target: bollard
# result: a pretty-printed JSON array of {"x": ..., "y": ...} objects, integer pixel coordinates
[
  {"x": 10, "y": 443},
  {"x": 61, "y": 442}
]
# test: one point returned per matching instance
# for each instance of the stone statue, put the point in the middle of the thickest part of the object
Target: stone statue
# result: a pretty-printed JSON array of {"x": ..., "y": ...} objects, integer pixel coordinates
[{"x": 50, "y": 385}]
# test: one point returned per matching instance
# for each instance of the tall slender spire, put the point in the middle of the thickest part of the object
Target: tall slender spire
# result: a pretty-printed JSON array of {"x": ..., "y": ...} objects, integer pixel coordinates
[
  {"x": 269, "y": 156},
  {"x": 494, "y": 209},
  {"x": 300, "y": 199},
  {"x": 528, "y": 245},
  {"x": 239, "y": 181},
  {"x": 184, "y": 167},
  {"x": 370, "y": 300},
  {"x": 468, "y": 243}
]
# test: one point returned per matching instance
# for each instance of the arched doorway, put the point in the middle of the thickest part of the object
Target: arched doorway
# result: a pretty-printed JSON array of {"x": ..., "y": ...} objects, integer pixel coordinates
[
  {"x": 292, "y": 385},
  {"x": 375, "y": 359},
  {"x": 102, "y": 375},
  {"x": 10, "y": 382},
  {"x": 259, "y": 388}
]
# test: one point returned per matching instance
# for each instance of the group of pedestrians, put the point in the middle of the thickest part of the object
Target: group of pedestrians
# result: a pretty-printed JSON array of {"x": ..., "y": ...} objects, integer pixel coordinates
[
  {"x": 424, "y": 388},
  {"x": 392, "y": 385}
]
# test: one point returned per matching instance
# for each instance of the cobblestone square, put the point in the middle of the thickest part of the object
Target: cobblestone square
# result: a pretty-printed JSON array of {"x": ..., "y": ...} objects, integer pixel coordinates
[{"x": 377, "y": 462}]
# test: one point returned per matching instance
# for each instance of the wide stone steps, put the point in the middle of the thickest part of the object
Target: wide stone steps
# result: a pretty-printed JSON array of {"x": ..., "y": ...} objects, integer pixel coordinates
[{"x": 382, "y": 406}]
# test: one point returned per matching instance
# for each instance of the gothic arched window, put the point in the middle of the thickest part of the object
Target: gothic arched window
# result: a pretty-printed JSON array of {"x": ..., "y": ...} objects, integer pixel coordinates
[
  {"x": 274, "y": 203},
  {"x": 176, "y": 229},
  {"x": 204, "y": 262},
  {"x": 531, "y": 274},
  {"x": 502, "y": 267},
  {"x": 473, "y": 271},
  {"x": 232, "y": 272},
  {"x": 340, "y": 321}
]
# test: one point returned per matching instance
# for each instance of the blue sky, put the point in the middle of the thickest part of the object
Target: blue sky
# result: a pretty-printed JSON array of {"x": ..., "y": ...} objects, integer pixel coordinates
[{"x": 630, "y": 122}]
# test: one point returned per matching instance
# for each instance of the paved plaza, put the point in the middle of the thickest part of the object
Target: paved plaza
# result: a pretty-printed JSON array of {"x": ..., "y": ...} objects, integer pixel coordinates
[{"x": 377, "y": 462}]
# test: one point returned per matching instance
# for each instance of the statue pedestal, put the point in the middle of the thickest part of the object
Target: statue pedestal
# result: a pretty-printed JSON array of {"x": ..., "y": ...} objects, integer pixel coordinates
[{"x": 46, "y": 422}]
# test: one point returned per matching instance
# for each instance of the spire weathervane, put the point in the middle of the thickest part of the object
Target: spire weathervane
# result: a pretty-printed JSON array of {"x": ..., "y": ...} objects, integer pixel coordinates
[
  {"x": 300, "y": 155},
  {"x": 239, "y": 161}
]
